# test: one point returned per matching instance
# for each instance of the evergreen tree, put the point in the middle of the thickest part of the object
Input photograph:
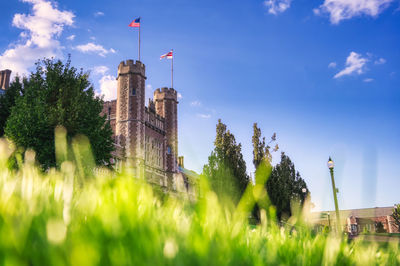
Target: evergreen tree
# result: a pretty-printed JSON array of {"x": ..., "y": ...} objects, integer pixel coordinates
[
  {"x": 284, "y": 185},
  {"x": 261, "y": 150},
  {"x": 396, "y": 216},
  {"x": 7, "y": 101},
  {"x": 262, "y": 159},
  {"x": 379, "y": 227},
  {"x": 226, "y": 168},
  {"x": 57, "y": 94}
]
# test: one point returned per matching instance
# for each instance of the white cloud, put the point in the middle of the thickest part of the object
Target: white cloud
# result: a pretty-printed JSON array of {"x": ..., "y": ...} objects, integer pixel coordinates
[
  {"x": 94, "y": 48},
  {"x": 354, "y": 64},
  {"x": 180, "y": 96},
  {"x": 368, "y": 80},
  {"x": 41, "y": 29},
  {"x": 277, "y": 6},
  {"x": 92, "y": 38},
  {"x": 195, "y": 103},
  {"x": 100, "y": 70},
  {"x": 204, "y": 116},
  {"x": 332, "y": 65},
  {"x": 98, "y": 14},
  {"x": 108, "y": 87},
  {"x": 71, "y": 37},
  {"x": 339, "y": 10},
  {"x": 380, "y": 61}
]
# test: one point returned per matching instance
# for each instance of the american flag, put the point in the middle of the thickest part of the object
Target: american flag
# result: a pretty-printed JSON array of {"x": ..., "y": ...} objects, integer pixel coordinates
[
  {"x": 167, "y": 55},
  {"x": 135, "y": 23}
]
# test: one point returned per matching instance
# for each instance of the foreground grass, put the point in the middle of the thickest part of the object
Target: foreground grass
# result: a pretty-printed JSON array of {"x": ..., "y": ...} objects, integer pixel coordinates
[{"x": 66, "y": 218}]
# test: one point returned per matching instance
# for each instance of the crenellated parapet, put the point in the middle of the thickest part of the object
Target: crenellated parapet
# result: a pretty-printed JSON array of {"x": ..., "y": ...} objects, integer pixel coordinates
[
  {"x": 165, "y": 93},
  {"x": 132, "y": 67}
]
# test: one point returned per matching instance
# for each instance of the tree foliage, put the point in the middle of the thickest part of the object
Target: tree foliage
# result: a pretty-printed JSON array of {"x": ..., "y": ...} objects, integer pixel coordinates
[
  {"x": 284, "y": 184},
  {"x": 396, "y": 216},
  {"x": 226, "y": 168},
  {"x": 7, "y": 101},
  {"x": 57, "y": 94},
  {"x": 379, "y": 227}
]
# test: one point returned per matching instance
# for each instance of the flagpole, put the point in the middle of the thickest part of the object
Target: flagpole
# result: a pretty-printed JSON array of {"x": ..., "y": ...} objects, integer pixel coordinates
[
  {"x": 172, "y": 69},
  {"x": 139, "y": 41}
]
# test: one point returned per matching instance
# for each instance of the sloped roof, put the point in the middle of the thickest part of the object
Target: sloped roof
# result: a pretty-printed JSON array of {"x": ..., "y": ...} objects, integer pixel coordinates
[{"x": 358, "y": 213}]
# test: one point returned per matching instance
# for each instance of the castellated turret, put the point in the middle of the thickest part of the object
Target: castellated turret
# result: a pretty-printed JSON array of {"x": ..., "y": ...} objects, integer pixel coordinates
[
  {"x": 130, "y": 114},
  {"x": 166, "y": 102},
  {"x": 5, "y": 79},
  {"x": 146, "y": 137}
]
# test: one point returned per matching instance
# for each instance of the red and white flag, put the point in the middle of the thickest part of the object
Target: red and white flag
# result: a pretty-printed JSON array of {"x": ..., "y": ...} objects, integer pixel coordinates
[
  {"x": 135, "y": 23},
  {"x": 167, "y": 55}
]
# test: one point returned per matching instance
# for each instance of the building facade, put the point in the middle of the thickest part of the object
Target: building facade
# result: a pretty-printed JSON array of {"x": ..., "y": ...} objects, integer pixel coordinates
[
  {"x": 356, "y": 221},
  {"x": 146, "y": 137}
]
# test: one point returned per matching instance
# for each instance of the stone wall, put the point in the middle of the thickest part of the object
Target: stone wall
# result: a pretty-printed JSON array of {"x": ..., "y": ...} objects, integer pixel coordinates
[
  {"x": 130, "y": 125},
  {"x": 5, "y": 79},
  {"x": 166, "y": 104}
]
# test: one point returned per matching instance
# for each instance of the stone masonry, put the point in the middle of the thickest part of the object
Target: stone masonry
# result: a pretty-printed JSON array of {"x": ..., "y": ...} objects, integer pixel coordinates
[
  {"x": 146, "y": 137},
  {"x": 5, "y": 79}
]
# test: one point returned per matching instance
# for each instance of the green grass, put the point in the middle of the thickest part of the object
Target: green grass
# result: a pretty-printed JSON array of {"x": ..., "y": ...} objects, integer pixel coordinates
[{"x": 64, "y": 217}]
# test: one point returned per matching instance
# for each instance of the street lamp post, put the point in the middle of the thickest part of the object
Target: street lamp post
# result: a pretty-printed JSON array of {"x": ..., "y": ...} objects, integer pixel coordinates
[{"x": 335, "y": 190}]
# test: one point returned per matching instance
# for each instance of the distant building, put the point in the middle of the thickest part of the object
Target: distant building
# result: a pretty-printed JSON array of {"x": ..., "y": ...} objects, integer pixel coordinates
[
  {"x": 357, "y": 221},
  {"x": 4, "y": 80},
  {"x": 146, "y": 137}
]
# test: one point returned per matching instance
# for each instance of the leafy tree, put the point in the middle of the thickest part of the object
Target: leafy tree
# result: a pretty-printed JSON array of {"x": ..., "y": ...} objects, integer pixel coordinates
[
  {"x": 226, "y": 168},
  {"x": 284, "y": 185},
  {"x": 261, "y": 150},
  {"x": 57, "y": 94},
  {"x": 262, "y": 159},
  {"x": 379, "y": 227},
  {"x": 396, "y": 216},
  {"x": 7, "y": 101}
]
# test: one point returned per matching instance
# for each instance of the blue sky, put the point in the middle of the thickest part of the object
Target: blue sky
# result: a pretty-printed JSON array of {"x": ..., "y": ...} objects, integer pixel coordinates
[{"x": 324, "y": 75}]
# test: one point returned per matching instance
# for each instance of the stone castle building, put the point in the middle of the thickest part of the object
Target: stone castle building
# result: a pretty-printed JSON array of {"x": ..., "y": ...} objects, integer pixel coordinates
[
  {"x": 146, "y": 137},
  {"x": 4, "y": 80}
]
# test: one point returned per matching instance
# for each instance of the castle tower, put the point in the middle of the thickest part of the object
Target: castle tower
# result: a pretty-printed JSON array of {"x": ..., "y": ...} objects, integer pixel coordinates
[
  {"x": 130, "y": 126},
  {"x": 5, "y": 79},
  {"x": 166, "y": 102}
]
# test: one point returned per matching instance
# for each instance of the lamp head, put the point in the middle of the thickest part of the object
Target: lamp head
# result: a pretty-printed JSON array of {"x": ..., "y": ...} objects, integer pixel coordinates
[{"x": 330, "y": 163}]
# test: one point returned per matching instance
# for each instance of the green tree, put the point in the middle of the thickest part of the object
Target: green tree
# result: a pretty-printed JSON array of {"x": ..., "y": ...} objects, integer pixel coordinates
[
  {"x": 57, "y": 94},
  {"x": 262, "y": 159},
  {"x": 396, "y": 216},
  {"x": 379, "y": 227},
  {"x": 261, "y": 150},
  {"x": 7, "y": 101},
  {"x": 226, "y": 168},
  {"x": 285, "y": 185}
]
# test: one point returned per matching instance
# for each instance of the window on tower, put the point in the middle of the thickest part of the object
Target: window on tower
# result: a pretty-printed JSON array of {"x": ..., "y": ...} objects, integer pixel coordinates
[
  {"x": 133, "y": 92},
  {"x": 169, "y": 149}
]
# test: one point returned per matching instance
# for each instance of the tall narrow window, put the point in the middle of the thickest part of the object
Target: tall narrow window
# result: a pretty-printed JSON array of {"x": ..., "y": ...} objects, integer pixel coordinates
[
  {"x": 133, "y": 92},
  {"x": 109, "y": 112},
  {"x": 169, "y": 149}
]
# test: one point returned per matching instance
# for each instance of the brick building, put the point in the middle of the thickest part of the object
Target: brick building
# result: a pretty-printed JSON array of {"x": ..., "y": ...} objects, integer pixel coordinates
[
  {"x": 357, "y": 221},
  {"x": 146, "y": 137}
]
